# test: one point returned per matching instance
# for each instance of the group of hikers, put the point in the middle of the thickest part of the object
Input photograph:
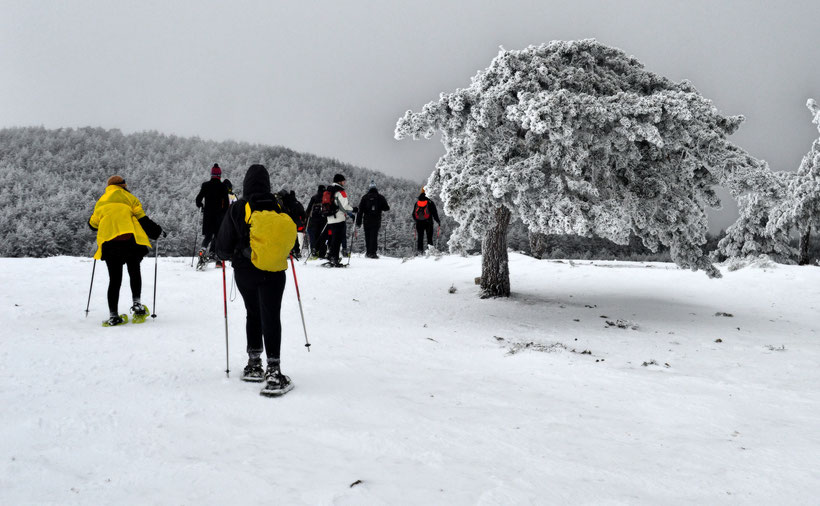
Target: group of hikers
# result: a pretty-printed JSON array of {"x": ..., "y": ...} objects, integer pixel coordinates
[{"x": 257, "y": 233}]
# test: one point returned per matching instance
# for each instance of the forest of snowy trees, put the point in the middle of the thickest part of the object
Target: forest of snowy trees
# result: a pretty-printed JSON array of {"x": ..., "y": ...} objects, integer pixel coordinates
[{"x": 50, "y": 180}]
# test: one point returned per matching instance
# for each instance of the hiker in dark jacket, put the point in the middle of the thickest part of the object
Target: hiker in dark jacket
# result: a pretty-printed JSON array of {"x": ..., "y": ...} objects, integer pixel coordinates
[
  {"x": 213, "y": 200},
  {"x": 316, "y": 223},
  {"x": 261, "y": 290},
  {"x": 297, "y": 213},
  {"x": 424, "y": 212},
  {"x": 370, "y": 214}
]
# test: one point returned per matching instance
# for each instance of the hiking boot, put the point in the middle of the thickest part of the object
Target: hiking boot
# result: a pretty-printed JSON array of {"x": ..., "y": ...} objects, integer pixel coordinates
[
  {"x": 276, "y": 383},
  {"x": 253, "y": 372},
  {"x": 219, "y": 263},
  {"x": 139, "y": 310},
  {"x": 114, "y": 320}
]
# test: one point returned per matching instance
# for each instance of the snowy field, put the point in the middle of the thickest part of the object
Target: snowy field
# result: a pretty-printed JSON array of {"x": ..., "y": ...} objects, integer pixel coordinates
[{"x": 415, "y": 395}]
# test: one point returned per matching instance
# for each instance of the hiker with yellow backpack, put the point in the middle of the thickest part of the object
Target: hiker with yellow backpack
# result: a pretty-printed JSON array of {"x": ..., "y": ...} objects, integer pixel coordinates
[{"x": 257, "y": 236}]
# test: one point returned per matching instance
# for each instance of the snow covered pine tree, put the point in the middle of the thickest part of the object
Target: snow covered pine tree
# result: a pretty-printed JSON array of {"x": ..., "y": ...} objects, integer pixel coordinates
[
  {"x": 782, "y": 203},
  {"x": 575, "y": 137},
  {"x": 802, "y": 210},
  {"x": 751, "y": 234}
]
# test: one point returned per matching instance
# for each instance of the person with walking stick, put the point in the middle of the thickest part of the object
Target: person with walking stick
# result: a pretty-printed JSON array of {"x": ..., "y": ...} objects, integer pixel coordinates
[
  {"x": 123, "y": 232},
  {"x": 424, "y": 212},
  {"x": 257, "y": 236},
  {"x": 213, "y": 200}
]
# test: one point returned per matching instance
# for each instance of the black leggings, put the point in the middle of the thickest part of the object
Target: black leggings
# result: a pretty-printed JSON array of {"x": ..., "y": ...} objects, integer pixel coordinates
[
  {"x": 422, "y": 228},
  {"x": 262, "y": 293},
  {"x": 115, "y": 280}
]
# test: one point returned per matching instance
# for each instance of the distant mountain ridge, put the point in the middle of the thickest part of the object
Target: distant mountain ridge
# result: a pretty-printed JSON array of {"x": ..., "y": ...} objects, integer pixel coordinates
[{"x": 51, "y": 178}]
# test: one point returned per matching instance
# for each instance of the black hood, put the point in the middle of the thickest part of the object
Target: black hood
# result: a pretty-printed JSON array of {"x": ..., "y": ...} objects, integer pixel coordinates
[
  {"x": 257, "y": 180},
  {"x": 422, "y": 197}
]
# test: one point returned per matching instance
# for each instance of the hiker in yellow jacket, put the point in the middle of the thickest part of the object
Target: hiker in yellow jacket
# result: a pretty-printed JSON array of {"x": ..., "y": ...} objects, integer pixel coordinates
[{"x": 123, "y": 231}]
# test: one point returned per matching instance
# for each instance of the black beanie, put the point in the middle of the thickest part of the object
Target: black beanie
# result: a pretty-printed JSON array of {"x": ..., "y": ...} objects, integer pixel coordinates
[{"x": 338, "y": 178}]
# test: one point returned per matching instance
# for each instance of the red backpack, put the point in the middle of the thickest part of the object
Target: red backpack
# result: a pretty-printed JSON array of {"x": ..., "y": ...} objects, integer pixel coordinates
[
  {"x": 329, "y": 206},
  {"x": 421, "y": 212}
]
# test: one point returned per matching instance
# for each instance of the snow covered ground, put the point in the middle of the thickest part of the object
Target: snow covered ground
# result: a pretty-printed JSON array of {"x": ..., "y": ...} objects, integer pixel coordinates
[{"x": 415, "y": 395}]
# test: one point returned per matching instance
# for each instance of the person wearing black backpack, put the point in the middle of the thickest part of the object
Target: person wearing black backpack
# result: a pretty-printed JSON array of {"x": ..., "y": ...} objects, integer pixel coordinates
[
  {"x": 370, "y": 214},
  {"x": 261, "y": 286},
  {"x": 424, "y": 212},
  {"x": 316, "y": 223}
]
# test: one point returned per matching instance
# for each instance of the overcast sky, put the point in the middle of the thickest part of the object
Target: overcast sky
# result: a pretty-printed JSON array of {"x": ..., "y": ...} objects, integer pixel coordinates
[{"x": 332, "y": 77}]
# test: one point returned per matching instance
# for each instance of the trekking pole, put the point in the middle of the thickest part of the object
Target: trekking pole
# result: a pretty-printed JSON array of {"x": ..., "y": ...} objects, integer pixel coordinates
[
  {"x": 156, "y": 255},
  {"x": 299, "y": 298},
  {"x": 225, "y": 302},
  {"x": 438, "y": 234},
  {"x": 93, "y": 268}
]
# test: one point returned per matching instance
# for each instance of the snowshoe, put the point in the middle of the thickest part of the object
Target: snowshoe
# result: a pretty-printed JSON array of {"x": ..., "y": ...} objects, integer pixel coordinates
[
  {"x": 254, "y": 372},
  {"x": 139, "y": 313},
  {"x": 276, "y": 383},
  {"x": 203, "y": 260},
  {"x": 115, "y": 320},
  {"x": 333, "y": 264}
]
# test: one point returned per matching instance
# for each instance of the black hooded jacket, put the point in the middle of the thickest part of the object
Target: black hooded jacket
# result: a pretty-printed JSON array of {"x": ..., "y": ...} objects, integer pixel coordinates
[
  {"x": 371, "y": 207},
  {"x": 234, "y": 235}
]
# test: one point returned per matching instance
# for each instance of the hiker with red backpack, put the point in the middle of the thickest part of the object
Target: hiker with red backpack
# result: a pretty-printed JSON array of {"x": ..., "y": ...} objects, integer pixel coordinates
[
  {"x": 336, "y": 208},
  {"x": 424, "y": 212}
]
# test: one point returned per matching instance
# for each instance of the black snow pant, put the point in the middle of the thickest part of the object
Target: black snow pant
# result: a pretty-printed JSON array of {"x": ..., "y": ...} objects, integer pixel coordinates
[
  {"x": 422, "y": 228},
  {"x": 116, "y": 254},
  {"x": 371, "y": 238},
  {"x": 210, "y": 227},
  {"x": 317, "y": 245},
  {"x": 262, "y": 293},
  {"x": 337, "y": 235}
]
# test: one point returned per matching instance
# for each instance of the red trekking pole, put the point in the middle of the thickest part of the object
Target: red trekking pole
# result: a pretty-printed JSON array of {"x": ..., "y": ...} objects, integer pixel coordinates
[
  {"x": 299, "y": 298},
  {"x": 225, "y": 302}
]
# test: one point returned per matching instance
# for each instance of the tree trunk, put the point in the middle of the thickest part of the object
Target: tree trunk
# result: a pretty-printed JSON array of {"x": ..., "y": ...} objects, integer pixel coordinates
[
  {"x": 538, "y": 244},
  {"x": 495, "y": 269},
  {"x": 803, "y": 255}
]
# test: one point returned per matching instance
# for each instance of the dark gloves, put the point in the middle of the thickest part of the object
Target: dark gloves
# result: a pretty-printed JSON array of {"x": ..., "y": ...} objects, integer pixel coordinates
[
  {"x": 152, "y": 230},
  {"x": 355, "y": 209}
]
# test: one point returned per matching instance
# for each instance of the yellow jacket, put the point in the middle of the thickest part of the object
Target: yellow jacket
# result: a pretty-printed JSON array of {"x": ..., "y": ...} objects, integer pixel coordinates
[{"x": 115, "y": 214}]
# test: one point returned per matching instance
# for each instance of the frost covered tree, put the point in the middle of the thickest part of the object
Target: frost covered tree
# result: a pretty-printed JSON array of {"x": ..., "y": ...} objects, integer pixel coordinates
[
  {"x": 756, "y": 231},
  {"x": 787, "y": 202},
  {"x": 802, "y": 210},
  {"x": 575, "y": 137}
]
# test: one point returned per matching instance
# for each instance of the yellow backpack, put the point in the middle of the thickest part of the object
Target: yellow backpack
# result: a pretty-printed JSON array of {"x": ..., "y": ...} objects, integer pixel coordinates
[{"x": 272, "y": 236}]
